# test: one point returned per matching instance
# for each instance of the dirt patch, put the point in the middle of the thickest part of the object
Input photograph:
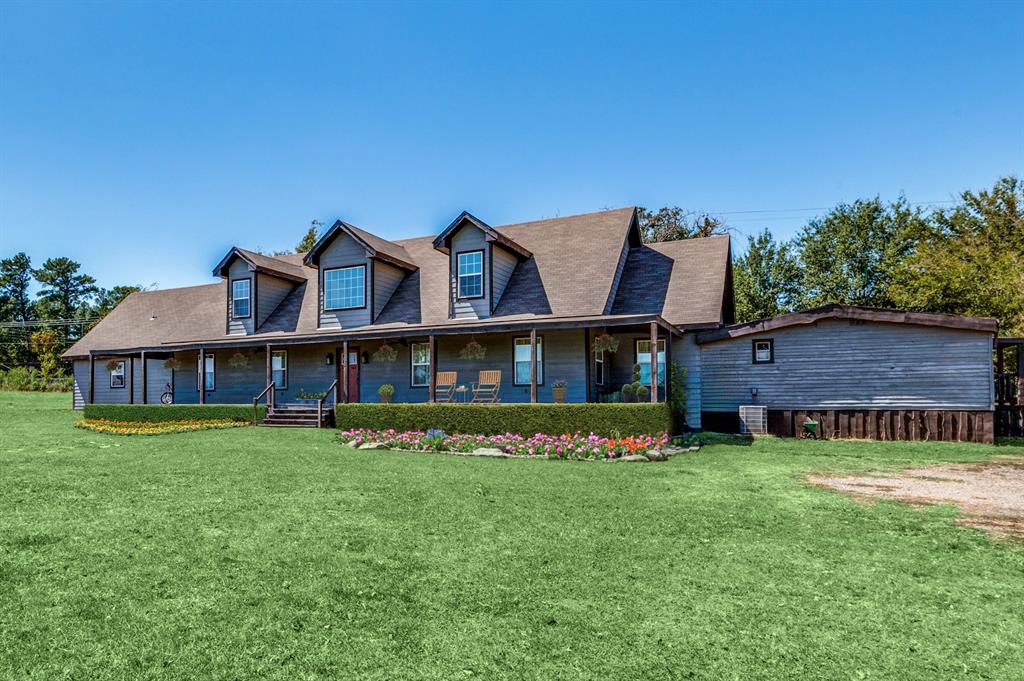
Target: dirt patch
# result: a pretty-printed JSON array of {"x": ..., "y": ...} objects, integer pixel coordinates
[{"x": 990, "y": 495}]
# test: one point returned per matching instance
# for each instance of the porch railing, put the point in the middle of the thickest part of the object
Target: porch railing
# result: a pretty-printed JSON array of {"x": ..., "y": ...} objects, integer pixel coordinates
[
  {"x": 256, "y": 400},
  {"x": 320, "y": 404}
]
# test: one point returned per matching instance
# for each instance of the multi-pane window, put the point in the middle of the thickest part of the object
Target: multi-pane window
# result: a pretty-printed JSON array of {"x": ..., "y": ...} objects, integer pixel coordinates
[
  {"x": 764, "y": 351},
  {"x": 117, "y": 375},
  {"x": 471, "y": 274},
  {"x": 279, "y": 368},
  {"x": 643, "y": 358},
  {"x": 208, "y": 370},
  {"x": 345, "y": 288},
  {"x": 599, "y": 367},
  {"x": 420, "y": 363},
  {"x": 240, "y": 301},
  {"x": 522, "y": 361}
]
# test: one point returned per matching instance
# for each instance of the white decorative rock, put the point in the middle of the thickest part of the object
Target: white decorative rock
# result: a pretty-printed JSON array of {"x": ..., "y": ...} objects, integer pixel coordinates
[
  {"x": 373, "y": 445},
  {"x": 490, "y": 451},
  {"x": 633, "y": 457},
  {"x": 656, "y": 455}
]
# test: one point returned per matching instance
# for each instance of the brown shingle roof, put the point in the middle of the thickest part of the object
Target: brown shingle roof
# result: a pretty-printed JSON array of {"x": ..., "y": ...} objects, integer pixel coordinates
[{"x": 570, "y": 274}]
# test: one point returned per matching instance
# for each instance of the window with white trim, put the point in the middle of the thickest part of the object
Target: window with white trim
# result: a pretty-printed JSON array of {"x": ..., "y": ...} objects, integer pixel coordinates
[
  {"x": 599, "y": 367},
  {"x": 471, "y": 274},
  {"x": 240, "y": 298},
  {"x": 420, "y": 364},
  {"x": 208, "y": 373},
  {"x": 117, "y": 375},
  {"x": 279, "y": 368},
  {"x": 522, "y": 361},
  {"x": 345, "y": 288},
  {"x": 764, "y": 351},
  {"x": 643, "y": 358}
]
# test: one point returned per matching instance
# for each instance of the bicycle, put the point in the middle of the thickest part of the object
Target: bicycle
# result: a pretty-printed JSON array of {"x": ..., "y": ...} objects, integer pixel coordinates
[{"x": 168, "y": 395}]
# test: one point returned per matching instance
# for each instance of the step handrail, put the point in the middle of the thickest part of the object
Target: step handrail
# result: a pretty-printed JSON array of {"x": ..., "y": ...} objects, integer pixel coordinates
[
  {"x": 270, "y": 400},
  {"x": 320, "y": 404}
]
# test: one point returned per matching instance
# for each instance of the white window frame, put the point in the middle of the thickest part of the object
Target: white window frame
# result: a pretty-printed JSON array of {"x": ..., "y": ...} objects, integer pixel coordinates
[
  {"x": 118, "y": 372},
  {"x": 756, "y": 351},
  {"x": 413, "y": 364},
  {"x": 469, "y": 275},
  {"x": 274, "y": 355},
  {"x": 235, "y": 298},
  {"x": 661, "y": 359},
  {"x": 211, "y": 362},
  {"x": 361, "y": 305},
  {"x": 540, "y": 359},
  {"x": 599, "y": 367}
]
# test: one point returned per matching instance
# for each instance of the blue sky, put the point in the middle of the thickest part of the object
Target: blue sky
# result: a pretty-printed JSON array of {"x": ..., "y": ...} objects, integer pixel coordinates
[{"x": 145, "y": 139}]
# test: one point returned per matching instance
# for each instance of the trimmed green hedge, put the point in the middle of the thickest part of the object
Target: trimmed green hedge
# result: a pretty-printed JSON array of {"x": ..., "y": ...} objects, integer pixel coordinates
[
  {"x": 155, "y": 413},
  {"x": 496, "y": 419}
]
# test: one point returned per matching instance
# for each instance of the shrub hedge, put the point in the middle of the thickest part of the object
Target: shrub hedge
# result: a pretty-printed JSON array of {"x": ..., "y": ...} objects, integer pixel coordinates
[
  {"x": 155, "y": 413},
  {"x": 497, "y": 419}
]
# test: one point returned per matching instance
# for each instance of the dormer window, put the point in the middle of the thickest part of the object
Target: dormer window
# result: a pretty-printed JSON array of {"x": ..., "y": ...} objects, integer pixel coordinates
[
  {"x": 345, "y": 288},
  {"x": 240, "y": 298},
  {"x": 471, "y": 274}
]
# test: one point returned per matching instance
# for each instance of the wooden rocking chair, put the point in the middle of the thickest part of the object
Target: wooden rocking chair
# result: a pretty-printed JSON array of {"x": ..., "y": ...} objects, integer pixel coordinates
[
  {"x": 485, "y": 391},
  {"x": 444, "y": 386}
]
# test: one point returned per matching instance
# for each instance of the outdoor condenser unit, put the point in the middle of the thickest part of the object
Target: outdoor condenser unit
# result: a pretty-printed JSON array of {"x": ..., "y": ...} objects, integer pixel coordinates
[{"x": 754, "y": 419}]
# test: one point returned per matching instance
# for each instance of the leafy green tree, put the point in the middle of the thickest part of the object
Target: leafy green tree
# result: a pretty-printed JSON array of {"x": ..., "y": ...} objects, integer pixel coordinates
[
  {"x": 108, "y": 299},
  {"x": 46, "y": 344},
  {"x": 674, "y": 223},
  {"x": 65, "y": 293},
  {"x": 15, "y": 277},
  {"x": 851, "y": 254},
  {"x": 309, "y": 240},
  {"x": 972, "y": 260},
  {"x": 766, "y": 278}
]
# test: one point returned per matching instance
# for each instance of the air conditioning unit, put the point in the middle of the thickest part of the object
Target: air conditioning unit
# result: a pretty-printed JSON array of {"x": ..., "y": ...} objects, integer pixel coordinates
[{"x": 754, "y": 419}]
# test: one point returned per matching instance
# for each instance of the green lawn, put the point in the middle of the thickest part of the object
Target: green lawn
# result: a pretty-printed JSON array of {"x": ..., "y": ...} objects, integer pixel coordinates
[{"x": 278, "y": 554}]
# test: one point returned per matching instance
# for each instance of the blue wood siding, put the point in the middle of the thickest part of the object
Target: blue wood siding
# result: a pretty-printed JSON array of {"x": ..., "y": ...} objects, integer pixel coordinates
[
  {"x": 686, "y": 353},
  {"x": 270, "y": 292},
  {"x": 344, "y": 252},
  {"x": 240, "y": 270},
  {"x": 386, "y": 279},
  {"x": 838, "y": 364},
  {"x": 469, "y": 238},
  {"x": 80, "y": 388},
  {"x": 504, "y": 263}
]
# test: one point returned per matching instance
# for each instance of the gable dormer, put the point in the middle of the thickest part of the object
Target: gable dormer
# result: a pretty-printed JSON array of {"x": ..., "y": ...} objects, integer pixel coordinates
[
  {"x": 357, "y": 274},
  {"x": 256, "y": 285},
  {"x": 480, "y": 263}
]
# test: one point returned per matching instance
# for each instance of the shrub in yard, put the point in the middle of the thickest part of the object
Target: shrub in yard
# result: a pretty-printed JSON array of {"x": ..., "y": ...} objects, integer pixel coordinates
[
  {"x": 30, "y": 379},
  {"x": 497, "y": 419},
  {"x": 157, "y": 413}
]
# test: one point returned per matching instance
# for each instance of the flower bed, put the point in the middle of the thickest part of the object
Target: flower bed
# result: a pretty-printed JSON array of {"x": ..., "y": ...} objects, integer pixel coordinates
[
  {"x": 577, "y": 446},
  {"x": 154, "y": 428}
]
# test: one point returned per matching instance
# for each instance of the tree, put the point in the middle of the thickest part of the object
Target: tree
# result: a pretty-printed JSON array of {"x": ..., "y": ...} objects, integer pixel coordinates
[
  {"x": 972, "y": 260},
  {"x": 673, "y": 223},
  {"x": 108, "y": 299},
  {"x": 851, "y": 254},
  {"x": 15, "y": 276},
  {"x": 309, "y": 240},
  {"x": 766, "y": 278},
  {"x": 64, "y": 291},
  {"x": 46, "y": 344}
]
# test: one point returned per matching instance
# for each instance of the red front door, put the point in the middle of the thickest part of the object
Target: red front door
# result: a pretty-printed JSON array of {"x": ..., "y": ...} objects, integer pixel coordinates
[{"x": 353, "y": 374}]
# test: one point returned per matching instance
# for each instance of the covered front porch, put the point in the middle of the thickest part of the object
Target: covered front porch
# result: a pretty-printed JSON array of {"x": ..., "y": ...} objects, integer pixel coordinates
[{"x": 533, "y": 362}]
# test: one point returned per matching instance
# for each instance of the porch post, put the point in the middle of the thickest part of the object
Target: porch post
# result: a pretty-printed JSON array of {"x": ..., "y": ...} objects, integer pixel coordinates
[
  {"x": 202, "y": 376},
  {"x": 131, "y": 380},
  {"x": 432, "y": 381},
  {"x": 533, "y": 365},
  {"x": 587, "y": 362},
  {"x": 270, "y": 375},
  {"x": 92, "y": 378},
  {"x": 144, "y": 378},
  {"x": 1020, "y": 374},
  {"x": 344, "y": 371},
  {"x": 654, "y": 361},
  {"x": 668, "y": 365}
]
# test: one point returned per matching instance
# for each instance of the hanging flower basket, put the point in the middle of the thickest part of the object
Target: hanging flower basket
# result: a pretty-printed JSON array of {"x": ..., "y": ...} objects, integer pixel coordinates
[
  {"x": 606, "y": 343},
  {"x": 239, "y": 360},
  {"x": 385, "y": 353},
  {"x": 172, "y": 364},
  {"x": 114, "y": 364},
  {"x": 473, "y": 351}
]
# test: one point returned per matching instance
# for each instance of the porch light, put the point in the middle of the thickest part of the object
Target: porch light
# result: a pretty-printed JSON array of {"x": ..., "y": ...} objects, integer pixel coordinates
[{"x": 329, "y": 359}]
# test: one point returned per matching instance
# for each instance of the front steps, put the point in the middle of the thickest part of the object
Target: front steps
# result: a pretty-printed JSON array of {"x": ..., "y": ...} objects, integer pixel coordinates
[{"x": 297, "y": 416}]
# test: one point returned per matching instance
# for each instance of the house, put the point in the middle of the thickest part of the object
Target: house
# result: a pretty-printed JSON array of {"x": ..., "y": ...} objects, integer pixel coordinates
[{"x": 535, "y": 295}]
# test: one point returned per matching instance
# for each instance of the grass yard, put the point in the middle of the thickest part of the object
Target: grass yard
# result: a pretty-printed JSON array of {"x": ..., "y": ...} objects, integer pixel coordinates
[{"x": 273, "y": 553}]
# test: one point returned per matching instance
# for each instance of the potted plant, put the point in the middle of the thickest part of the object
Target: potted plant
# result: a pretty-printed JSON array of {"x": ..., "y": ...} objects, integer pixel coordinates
[
  {"x": 309, "y": 398},
  {"x": 473, "y": 351},
  {"x": 113, "y": 364},
  {"x": 606, "y": 343},
  {"x": 385, "y": 353},
  {"x": 385, "y": 393},
  {"x": 559, "y": 391}
]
